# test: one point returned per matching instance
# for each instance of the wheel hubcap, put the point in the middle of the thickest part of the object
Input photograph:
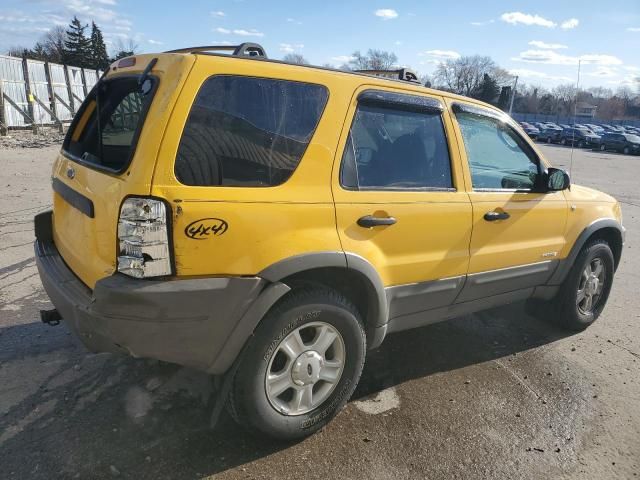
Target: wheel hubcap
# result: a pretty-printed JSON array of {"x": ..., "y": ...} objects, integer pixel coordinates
[
  {"x": 590, "y": 286},
  {"x": 305, "y": 368}
]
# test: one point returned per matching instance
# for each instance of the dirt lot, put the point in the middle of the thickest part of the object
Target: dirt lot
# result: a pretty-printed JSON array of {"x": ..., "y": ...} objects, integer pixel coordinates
[{"x": 492, "y": 395}]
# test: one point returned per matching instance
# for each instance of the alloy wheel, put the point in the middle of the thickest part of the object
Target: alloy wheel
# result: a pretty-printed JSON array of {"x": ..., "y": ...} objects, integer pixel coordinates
[
  {"x": 305, "y": 368},
  {"x": 590, "y": 286}
]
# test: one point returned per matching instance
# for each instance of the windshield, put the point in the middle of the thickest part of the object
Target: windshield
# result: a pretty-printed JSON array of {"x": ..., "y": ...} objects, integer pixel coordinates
[{"x": 105, "y": 131}]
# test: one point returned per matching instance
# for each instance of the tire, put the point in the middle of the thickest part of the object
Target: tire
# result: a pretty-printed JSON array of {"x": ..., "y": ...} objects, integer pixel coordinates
[
  {"x": 306, "y": 311},
  {"x": 548, "y": 139},
  {"x": 563, "y": 141},
  {"x": 566, "y": 310},
  {"x": 626, "y": 150},
  {"x": 580, "y": 144},
  {"x": 603, "y": 147}
]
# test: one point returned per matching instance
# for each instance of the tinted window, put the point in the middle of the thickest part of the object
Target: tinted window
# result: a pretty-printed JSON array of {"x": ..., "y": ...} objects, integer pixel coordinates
[
  {"x": 109, "y": 141},
  {"x": 389, "y": 148},
  {"x": 498, "y": 156},
  {"x": 245, "y": 131}
]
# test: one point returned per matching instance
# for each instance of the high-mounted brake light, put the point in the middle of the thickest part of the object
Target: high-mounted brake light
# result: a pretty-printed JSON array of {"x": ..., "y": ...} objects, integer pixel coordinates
[{"x": 143, "y": 238}]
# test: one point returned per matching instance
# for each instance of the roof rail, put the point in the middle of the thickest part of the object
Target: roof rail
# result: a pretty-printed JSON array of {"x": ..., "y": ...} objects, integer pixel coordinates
[
  {"x": 247, "y": 49},
  {"x": 404, "y": 74}
]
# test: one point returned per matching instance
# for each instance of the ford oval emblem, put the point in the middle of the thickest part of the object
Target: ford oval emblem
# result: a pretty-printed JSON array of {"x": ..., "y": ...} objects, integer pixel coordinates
[
  {"x": 206, "y": 228},
  {"x": 71, "y": 173}
]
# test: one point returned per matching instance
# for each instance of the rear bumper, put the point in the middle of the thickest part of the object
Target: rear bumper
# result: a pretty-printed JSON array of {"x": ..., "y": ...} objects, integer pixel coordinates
[{"x": 201, "y": 323}]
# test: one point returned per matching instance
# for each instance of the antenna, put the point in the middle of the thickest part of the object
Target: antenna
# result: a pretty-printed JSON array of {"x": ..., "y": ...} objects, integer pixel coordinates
[{"x": 575, "y": 113}]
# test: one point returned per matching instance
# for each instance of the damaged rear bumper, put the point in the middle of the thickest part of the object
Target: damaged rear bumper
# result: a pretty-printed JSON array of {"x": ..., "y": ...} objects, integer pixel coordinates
[{"x": 201, "y": 323}]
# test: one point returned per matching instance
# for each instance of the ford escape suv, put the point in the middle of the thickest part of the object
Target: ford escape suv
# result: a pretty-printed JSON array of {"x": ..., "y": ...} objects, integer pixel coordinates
[{"x": 272, "y": 223}]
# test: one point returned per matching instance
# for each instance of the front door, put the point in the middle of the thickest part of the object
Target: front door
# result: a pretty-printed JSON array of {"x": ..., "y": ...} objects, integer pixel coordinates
[
  {"x": 518, "y": 227},
  {"x": 400, "y": 199}
]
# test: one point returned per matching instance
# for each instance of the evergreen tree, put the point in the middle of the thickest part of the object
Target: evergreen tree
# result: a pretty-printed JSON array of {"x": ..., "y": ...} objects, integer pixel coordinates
[
  {"x": 99, "y": 57},
  {"x": 488, "y": 90},
  {"x": 77, "y": 45}
]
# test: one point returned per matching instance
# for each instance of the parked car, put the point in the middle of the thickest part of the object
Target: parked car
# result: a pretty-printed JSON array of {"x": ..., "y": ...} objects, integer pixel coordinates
[
  {"x": 626, "y": 143},
  {"x": 550, "y": 135},
  {"x": 595, "y": 129},
  {"x": 564, "y": 125},
  {"x": 247, "y": 218},
  {"x": 530, "y": 130},
  {"x": 579, "y": 137}
]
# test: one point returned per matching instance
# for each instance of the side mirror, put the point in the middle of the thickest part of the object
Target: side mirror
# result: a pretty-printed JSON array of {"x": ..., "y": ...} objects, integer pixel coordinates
[{"x": 557, "y": 179}]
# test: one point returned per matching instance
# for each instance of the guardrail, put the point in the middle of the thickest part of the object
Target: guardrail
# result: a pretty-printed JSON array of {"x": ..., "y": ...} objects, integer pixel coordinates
[{"x": 35, "y": 93}]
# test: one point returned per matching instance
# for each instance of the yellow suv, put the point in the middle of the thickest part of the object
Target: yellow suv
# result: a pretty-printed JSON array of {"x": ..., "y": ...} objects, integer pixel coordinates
[{"x": 273, "y": 222}]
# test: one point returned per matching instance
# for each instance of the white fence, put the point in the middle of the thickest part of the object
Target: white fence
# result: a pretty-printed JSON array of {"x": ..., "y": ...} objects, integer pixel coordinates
[{"x": 34, "y": 93}]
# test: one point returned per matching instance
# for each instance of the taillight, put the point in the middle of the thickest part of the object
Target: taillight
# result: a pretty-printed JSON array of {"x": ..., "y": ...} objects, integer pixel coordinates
[{"x": 143, "y": 237}]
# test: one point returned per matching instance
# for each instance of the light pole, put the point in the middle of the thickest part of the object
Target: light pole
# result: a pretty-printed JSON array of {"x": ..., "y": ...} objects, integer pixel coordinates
[{"x": 513, "y": 95}]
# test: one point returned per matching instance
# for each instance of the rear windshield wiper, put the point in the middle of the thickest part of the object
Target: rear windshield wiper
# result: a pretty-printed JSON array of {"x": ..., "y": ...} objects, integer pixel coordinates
[{"x": 145, "y": 87}]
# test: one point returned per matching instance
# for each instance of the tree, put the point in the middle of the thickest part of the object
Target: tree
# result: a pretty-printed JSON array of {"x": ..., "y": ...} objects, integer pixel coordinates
[
  {"x": 488, "y": 90},
  {"x": 99, "y": 57},
  {"x": 124, "y": 48},
  {"x": 296, "y": 58},
  {"x": 465, "y": 74},
  {"x": 373, "y": 60},
  {"x": 53, "y": 43},
  {"x": 77, "y": 45}
]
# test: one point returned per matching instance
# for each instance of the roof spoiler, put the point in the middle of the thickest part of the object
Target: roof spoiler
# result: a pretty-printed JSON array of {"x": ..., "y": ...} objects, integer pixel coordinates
[
  {"x": 404, "y": 74},
  {"x": 246, "y": 49}
]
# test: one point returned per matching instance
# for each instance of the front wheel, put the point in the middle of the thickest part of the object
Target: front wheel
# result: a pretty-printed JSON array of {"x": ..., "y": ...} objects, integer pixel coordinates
[
  {"x": 603, "y": 147},
  {"x": 626, "y": 150},
  {"x": 585, "y": 291},
  {"x": 548, "y": 139},
  {"x": 301, "y": 366}
]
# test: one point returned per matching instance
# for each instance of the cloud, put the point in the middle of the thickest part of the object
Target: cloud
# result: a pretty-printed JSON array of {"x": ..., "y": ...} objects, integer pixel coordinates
[
  {"x": 515, "y": 18},
  {"x": 248, "y": 33},
  {"x": 398, "y": 42},
  {"x": 603, "y": 72},
  {"x": 482, "y": 24},
  {"x": 552, "y": 57},
  {"x": 525, "y": 73},
  {"x": 569, "y": 24},
  {"x": 155, "y": 42},
  {"x": 224, "y": 31},
  {"x": 633, "y": 29},
  {"x": 293, "y": 20},
  {"x": 631, "y": 68},
  {"x": 290, "y": 48},
  {"x": 552, "y": 46},
  {"x": 218, "y": 14},
  {"x": 342, "y": 58},
  {"x": 441, "y": 54},
  {"x": 386, "y": 13}
]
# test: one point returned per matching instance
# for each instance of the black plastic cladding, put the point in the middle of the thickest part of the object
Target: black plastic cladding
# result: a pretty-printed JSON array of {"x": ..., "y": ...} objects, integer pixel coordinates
[{"x": 416, "y": 103}]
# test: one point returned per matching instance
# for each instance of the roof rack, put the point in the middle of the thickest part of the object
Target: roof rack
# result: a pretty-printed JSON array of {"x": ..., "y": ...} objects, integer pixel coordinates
[
  {"x": 244, "y": 49},
  {"x": 404, "y": 74}
]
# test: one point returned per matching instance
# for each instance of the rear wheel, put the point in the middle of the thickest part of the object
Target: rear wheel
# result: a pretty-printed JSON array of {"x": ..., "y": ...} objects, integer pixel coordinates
[
  {"x": 563, "y": 141},
  {"x": 603, "y": 147},
  {"x": 301, "y": 366},
  {"x": 585, "y": 291},
  {"x": 580, "y": 144},
  {"x": 626, "y": 150}
]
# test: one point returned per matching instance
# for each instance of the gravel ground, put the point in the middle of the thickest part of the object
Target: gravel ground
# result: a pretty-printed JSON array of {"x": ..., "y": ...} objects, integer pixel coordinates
[{"x": 490, "y": 395}]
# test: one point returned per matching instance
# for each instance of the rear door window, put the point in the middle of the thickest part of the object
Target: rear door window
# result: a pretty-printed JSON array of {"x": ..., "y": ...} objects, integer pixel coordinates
[
  {"x": 108, "y": 141},
  {"x": 248, "y": 131}
]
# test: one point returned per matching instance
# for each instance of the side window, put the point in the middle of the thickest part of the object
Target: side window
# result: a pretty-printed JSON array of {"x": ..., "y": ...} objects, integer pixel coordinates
[
  {"x": 498, "y": 157},
  {"x": 247, "y": 131},
  {"x": 393, "y": 148}
]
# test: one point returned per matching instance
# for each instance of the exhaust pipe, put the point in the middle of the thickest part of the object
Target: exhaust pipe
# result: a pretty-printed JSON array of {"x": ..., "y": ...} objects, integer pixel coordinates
[{"x": 50, "y": 317}]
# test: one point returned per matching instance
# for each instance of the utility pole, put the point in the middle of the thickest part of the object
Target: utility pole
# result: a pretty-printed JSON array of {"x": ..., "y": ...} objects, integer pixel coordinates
[{"x": 513, "y": 95}]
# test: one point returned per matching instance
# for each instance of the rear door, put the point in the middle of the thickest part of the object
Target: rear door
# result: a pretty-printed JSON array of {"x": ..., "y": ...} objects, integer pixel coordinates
[
  {"x": 399, "y": 197},
  {"x": 108, "y": 154}
]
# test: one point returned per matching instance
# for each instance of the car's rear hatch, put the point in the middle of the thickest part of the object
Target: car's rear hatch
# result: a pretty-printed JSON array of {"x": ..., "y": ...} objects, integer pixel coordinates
[{"x": 109, "y": 153}]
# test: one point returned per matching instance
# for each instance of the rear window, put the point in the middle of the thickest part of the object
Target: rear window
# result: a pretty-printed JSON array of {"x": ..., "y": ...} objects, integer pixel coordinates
[
  {"x": 247, "y": 131},
  {"x": 108, "y": 141}
]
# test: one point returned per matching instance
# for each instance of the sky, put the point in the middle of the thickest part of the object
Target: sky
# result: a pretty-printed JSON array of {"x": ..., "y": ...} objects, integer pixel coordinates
[{"x": 540, "y": 41}]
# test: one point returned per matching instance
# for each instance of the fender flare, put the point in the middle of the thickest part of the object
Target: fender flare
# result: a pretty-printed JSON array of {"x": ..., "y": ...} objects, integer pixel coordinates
[
  {"x": 565, "y": 265},
  {"x": 379, "y": 309}
]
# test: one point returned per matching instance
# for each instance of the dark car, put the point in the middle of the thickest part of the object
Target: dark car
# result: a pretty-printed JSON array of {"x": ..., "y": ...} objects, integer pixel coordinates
[
  {"x": 621, "y": 142},
  {"x": 550, "y": 135},
  {"x": 579, "y": 137},
  {"x": 530, "y": 130}
]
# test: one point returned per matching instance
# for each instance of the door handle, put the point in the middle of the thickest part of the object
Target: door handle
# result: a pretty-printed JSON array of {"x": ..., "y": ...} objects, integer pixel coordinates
[
  {"x": 493, "y": 216},
  {"x": 369, "y": 221}
]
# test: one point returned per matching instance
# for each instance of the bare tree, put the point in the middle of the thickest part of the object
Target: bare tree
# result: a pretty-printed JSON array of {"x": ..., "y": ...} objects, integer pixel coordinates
[
  {"x": 296, "y": 58},
  {"x": 465, "y": 74},
  {"x": 17, "y": 51},
  {"x": 372, "y": 60},
  {"x": 124, "y": 48},
  {"x": 53, "y": 44}
]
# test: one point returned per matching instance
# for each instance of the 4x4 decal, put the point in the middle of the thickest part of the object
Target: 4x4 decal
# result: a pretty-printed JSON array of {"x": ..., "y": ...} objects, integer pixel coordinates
[{"x": 205, "y": 228}]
